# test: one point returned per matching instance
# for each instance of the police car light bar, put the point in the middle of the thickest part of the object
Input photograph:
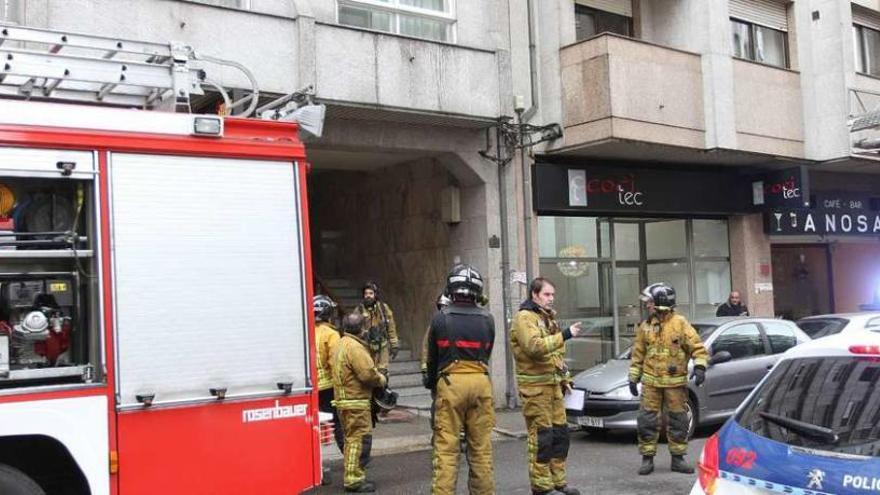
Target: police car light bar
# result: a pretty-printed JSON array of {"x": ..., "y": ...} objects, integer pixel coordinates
[{"x": 865, "y": 349}]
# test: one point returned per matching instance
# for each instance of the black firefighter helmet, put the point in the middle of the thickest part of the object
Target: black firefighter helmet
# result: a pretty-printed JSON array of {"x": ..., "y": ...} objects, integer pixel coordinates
[
  {"x": 464, "y": 280},
  {"x": 385, "y": 398},
  {"x": 323, "y": 307},
  {"x": 661, "y": 294}
]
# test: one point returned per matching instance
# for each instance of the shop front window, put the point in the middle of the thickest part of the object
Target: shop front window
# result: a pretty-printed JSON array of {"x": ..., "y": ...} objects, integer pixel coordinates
[
  {"x": 713, "y": 286},
  {"x": 600, "y": 286},
  {"x": 666, "y": 239},
  {"x": 677, "y": 275},
  {"x": 711, "y": 239},
  {"x": 627, "y": 243}
]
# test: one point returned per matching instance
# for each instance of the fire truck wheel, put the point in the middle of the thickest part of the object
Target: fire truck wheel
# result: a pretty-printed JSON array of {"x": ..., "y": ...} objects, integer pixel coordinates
[{"x": 14, "y": 482}]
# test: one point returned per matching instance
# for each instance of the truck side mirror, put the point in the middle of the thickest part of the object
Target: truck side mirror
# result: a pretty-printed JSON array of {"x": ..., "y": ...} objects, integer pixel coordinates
[{"x": 720, "y": 357}]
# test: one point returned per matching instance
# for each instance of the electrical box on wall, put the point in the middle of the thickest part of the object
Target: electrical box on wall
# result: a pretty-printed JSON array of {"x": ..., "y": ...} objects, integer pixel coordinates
[{"x": 450, "y": 205}]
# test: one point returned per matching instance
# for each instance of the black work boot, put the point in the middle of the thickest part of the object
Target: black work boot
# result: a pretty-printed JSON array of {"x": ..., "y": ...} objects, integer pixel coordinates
[
  {"x": 680, "y": 466},
  {"x": 647, "y": 465},
  {"x": 365, "y": 487},
  {"x": 568, "y": 490}
]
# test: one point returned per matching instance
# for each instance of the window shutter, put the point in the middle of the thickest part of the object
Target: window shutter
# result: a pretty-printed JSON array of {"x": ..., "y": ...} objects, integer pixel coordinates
[
  {"x": 768, "y": 13},
  {"x": 619, "y": 7},
  {"x": 865, "y": 17}
]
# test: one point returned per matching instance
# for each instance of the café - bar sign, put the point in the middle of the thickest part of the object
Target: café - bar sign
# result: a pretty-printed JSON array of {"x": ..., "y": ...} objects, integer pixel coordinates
[
  {"x": 565, "y": 189},
  {"x": 849, "y": 214}
]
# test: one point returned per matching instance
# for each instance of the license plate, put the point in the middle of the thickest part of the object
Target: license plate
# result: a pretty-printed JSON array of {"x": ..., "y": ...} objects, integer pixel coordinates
[{"x": 591, "y": 422}]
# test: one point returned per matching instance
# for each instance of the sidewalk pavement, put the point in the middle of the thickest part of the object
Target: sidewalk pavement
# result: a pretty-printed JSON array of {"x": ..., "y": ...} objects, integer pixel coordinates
[{"x": 402, "y": 431}]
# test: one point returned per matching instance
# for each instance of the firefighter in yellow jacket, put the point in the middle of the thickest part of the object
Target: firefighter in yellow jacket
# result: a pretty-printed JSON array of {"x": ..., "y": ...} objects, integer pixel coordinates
[
  {"x": 459, "y": 348},
  {"x": 538, "y": 346},
  {"x": 382, "y": 331},
  {"x": 326, "y": 337},
  {"x": 664, "y": 345},
  {"x": 354, "y": 378}
]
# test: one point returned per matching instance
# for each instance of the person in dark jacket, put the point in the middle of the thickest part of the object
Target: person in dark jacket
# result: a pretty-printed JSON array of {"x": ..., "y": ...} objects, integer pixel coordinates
[
  {"x": 733, "y": 307},
  {"x": 462, "y": 335}
]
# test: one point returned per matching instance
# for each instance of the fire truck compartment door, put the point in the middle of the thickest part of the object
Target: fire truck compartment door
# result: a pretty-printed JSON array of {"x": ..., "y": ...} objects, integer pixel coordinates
[
  {"x": 46, "y": 163},
  {"x": 208, "y": 278}
]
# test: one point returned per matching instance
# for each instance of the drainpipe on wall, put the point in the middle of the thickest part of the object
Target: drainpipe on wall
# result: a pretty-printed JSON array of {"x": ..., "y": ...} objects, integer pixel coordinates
[
  {"x": 510, "y": 387},
  {"x": 533, "y": 65},
  {"x": 524, "y": 116},
  {"x": 526, "y": 198}
]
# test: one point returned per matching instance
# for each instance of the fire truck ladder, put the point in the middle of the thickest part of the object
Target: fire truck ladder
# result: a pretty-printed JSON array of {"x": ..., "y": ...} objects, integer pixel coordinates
[{"x": 52, "y": 65}]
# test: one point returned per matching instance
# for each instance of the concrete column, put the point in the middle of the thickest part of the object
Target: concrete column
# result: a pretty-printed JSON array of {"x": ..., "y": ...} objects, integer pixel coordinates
[
  {"x": 750, "y": 263},
  {"x": 307, "y": 65},
  {"x": 469, "y": 243},
  {"x": 826, "y": 62},
  {"x": 718, "y": 90}
]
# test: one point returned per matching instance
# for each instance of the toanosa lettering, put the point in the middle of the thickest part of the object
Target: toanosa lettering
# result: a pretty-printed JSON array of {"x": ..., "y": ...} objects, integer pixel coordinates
[{"x": 822, "y": 223}]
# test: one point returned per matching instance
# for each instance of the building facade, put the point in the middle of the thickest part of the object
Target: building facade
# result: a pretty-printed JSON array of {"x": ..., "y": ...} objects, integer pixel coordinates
[{"x": 699, "y": 137}]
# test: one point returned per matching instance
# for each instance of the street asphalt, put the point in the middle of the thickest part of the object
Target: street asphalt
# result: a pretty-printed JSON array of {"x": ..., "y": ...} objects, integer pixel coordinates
[{"x": 597, "y": 464}]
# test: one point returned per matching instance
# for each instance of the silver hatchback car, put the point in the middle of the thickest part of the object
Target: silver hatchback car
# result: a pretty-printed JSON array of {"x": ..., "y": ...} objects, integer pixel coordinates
[{"x": 742, "y": 351}]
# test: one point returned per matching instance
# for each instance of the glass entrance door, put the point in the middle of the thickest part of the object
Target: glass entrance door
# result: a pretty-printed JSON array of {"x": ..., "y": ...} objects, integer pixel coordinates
[
  {"x": 600, "y": 266},
  {"x": 628, "y": 280}
]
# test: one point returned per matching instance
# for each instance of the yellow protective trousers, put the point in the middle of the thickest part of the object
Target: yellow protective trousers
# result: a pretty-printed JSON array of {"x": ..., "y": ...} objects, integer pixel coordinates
[
  {"x": 671, "y": 401},
  {"x": 544, "y": 411},
  {"x": 357, "y": 427},
  {"x": 464, "y": 400}
]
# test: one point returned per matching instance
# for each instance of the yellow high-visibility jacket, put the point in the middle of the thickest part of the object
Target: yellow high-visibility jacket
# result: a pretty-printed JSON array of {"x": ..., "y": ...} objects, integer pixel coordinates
[
  {"x": 538, "y": 347},
  {"x": 326, "y": 337},
  {"x": 354, "y": 374},
  {"x": 662, "y": 350}
]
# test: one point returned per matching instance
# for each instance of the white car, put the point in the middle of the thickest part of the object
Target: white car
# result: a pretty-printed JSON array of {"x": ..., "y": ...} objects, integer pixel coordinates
[
  {"x": 810, "y": 427},
  {"x": 824, "y": 325}
]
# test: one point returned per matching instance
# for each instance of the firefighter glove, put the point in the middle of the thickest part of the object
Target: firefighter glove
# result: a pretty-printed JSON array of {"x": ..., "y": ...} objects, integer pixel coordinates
[
  {"x": 394, "y": 351},
  {"x": 699, "y": 375},
  {"x": 634, "y": 389}
]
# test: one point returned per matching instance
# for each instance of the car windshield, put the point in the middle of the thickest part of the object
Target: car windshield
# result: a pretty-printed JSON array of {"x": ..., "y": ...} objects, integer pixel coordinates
[
  {"x": 822, "y": 327},
  {"x": 824, "y": 403},
  {"x": 704, "y": 329}
]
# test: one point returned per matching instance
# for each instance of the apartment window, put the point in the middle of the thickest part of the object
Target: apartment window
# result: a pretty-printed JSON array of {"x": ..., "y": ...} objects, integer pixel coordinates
[
  {"x": 589, "y": 22},
  {"x": 867, "y": 50},
  {"x": 429, "y": 19},
  {"x": 759, "y": 43}
]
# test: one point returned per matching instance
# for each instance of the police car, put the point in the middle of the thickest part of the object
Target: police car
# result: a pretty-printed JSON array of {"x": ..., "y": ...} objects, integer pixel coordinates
[{"x": 811, "y": 427}]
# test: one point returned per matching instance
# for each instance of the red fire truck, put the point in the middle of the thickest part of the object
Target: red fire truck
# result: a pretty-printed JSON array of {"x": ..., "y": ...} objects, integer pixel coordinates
[{"x": 156, "y": 333}]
